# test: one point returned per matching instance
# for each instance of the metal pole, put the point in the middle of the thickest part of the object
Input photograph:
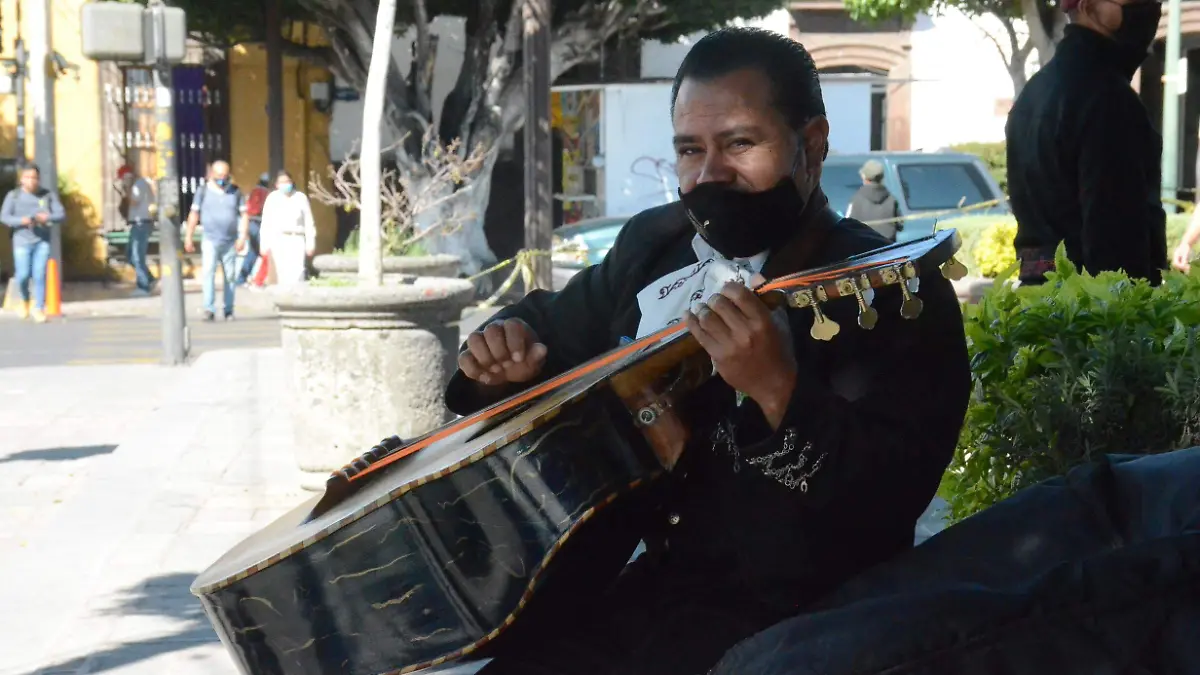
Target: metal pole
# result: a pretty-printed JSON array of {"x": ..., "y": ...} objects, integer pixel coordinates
[
  {"x": 22, "y": 59},
  {"x": 174, "y": 321},
  {"x": 275, "y": 85},
  {"x": 41, "y": 90},
  {"x": 1170, "y": 119},
  {"x": 539, "y": 205}
]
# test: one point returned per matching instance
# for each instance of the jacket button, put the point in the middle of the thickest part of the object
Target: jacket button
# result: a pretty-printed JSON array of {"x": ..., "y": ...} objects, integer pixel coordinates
[{"x": 673, "y": 519}]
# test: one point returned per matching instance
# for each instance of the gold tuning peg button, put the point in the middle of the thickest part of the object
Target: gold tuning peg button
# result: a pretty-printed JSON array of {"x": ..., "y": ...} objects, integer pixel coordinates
[
  {"x": 823, "y": 328},
  {"x": 953, "y": 269},
  {"x": 867, "y": 315},
  {"x": 912, "y": 304}
]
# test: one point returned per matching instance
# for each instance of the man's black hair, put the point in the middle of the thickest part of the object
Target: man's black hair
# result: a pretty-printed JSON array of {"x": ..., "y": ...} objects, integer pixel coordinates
[
  {"x": 30, "y": 166},
  {"x": 795, "y": 85}
]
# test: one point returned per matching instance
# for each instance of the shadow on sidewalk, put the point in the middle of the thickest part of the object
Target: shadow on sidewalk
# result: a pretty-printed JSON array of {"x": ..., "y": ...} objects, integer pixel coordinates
[
  {"x": 58, "y": 454},
  {"x": 164, "y": 596}
]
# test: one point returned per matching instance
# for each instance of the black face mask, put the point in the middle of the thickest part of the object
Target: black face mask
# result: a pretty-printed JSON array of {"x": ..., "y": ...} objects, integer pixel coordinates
[
  {"x": 1139, "y": 23},
  {"x": 742, "y": 224}
]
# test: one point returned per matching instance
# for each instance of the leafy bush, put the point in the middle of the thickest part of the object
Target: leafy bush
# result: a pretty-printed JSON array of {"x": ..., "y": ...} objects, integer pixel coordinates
[
  {"x": 1070, "y": 370},
  {"x": 994, "y": 155},
  {"x": 987, "y": 241},
  {"x": 994, "y": 251}
]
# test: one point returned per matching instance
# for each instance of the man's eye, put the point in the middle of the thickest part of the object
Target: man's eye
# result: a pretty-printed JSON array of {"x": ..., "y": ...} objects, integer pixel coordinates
[
  {"x": 685, "y": 152},
  {"x": 741, "y": 143}
]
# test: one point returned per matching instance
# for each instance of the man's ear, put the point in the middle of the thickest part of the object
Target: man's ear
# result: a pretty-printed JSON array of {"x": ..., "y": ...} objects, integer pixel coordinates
[{"x": 816, "y": 142}]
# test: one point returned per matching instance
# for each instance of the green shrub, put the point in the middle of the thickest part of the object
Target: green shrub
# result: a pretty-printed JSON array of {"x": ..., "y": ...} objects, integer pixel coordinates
[
  {"x": 1070, "y": 370},
  {"x": 993, "y": 155},
  {"x": 975, "y": 229}
]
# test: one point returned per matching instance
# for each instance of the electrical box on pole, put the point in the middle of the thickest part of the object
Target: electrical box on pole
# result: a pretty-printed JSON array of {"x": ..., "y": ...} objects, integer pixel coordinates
[{"x": 124, "y": 32}]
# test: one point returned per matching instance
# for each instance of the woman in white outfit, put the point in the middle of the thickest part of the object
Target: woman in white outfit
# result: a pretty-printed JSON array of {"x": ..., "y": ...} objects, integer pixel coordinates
[{"x": 288, "y": 234}]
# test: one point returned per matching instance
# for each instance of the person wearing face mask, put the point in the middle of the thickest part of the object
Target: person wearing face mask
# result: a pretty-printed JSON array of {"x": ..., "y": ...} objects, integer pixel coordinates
[
  {"x": 288, "y": 233},
  {"x": 1084, "y": 158},
  {"x": 809, "y": 461},
  {"x": 220, "y": 207}
]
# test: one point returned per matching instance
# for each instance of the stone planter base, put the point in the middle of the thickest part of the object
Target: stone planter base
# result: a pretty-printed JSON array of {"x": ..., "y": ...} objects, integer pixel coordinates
[
  {"x": 366, "y": 363},
  {"x": 395, "y": 268}
]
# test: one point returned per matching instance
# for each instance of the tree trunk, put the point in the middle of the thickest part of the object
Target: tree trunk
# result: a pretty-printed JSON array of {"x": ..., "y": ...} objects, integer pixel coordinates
[
  {"x": 464, "y": 237},
  {"x": 370, "y": 229},
  {"x": 1045, "y": 27}
]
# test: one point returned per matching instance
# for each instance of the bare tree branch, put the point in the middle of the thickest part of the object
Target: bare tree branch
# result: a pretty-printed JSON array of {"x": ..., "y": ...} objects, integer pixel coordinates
[{"x": 447, "y": 173}]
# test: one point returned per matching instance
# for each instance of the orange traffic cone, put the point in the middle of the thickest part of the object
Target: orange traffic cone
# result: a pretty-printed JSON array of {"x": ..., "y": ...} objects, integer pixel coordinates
[{"x": 53, "y": 289}]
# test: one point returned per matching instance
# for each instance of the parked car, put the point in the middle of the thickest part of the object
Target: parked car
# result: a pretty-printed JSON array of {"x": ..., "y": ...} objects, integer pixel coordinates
[
  {"x": 583, "y": 244},
  {"x": 921, "y": 182}
]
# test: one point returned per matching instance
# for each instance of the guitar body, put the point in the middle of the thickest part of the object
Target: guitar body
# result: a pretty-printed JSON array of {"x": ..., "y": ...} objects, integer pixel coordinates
[
  {"x": 425, "y": 552},
  {"x": 439, "y": 552}
]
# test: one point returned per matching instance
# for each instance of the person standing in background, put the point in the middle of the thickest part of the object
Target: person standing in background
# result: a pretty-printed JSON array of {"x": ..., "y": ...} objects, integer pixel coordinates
[
  {"x": 1084, "y": 158},
  {"x": 289, "y": 234},
  {"x": 873, "y": 204},
  {"x": 30, "y": 211},
  {"x": 220, "y": 208},
  {"x": 254, "y": 210},
  {"x": 139, "y": 209}
]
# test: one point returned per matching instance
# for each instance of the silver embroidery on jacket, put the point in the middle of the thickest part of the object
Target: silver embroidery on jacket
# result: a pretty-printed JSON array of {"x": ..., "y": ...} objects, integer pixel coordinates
[{"x": 786, "y": 465}]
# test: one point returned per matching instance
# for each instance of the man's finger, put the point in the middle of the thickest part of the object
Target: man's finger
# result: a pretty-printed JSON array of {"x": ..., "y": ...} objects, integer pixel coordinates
[
  {"x": 494, "y": 336},
  {"x": 478, "y": 346},
  {"x": 713, "y": 324},
  {"x": 733, "y": 319},
  {"x": 746, "y": 300},
  {"x": 516, "y": 338},
  {"x": 469, "y": 365}
]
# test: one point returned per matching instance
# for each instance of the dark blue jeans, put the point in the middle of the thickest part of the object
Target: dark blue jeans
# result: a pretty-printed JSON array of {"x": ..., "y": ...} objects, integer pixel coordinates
[
  {"x": 251, "y": 251},
  {"x": 139, "y": 244}
]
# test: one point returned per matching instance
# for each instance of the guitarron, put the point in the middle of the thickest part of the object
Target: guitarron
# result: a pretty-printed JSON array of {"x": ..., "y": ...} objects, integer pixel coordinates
[{"x": 424, "y": 552}]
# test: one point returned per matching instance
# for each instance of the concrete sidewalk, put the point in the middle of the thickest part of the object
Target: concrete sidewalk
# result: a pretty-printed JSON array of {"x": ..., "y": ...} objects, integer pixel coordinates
[{"x": 100, "y": 545}]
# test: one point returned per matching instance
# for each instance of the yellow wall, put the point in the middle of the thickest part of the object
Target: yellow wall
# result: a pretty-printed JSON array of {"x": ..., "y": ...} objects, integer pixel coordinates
[
  {"x": 305, "y": 129},
  {"x": 79, "y": 134}
]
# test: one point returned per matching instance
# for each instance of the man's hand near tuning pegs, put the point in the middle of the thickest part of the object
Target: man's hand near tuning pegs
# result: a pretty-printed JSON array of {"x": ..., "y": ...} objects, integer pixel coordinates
[{"x": 504, "y": 352}]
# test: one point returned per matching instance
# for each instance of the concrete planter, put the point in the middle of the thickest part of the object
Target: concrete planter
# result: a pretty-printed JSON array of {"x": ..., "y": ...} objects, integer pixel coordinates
[
  {"x": 395, "y": 268},
  {"x": 366, "y": 363}
]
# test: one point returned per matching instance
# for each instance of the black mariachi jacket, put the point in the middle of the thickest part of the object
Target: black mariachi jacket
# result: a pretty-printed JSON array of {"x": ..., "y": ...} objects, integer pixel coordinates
[
  {"x": 879, "y": 410},
  {"x": 1085, "y": 163}
]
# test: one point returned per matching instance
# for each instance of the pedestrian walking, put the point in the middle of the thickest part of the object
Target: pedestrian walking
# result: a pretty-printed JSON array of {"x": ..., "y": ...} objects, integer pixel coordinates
[
  {"x": 873, "y": 204},
  {"x": 30, "y": 210},
  {"x": 139, "y": 209},
  {"x": 254, "y": 211},
  {"x": 1084, "y": 157},
  {"x": 288, "y": 231},
  {"x": 220, "y": 209}
]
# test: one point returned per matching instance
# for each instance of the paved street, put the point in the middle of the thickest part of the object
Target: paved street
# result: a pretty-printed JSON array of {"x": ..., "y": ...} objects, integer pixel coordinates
[{"x": 133, "y": 340}]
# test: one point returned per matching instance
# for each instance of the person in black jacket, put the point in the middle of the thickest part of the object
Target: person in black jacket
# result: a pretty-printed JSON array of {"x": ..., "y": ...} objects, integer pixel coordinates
[
  {"x": 873, "y": 204},
  {"x": 808, "y": 461},
  {"x": 1084, "y": 159}
]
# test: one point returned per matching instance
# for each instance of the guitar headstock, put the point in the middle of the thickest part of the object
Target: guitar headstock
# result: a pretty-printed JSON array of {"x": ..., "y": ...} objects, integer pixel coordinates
[{"x": 894, "y": 265}]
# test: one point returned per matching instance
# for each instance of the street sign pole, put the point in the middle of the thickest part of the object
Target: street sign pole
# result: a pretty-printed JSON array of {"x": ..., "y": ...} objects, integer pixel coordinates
[{"x": 174, "y": 321}]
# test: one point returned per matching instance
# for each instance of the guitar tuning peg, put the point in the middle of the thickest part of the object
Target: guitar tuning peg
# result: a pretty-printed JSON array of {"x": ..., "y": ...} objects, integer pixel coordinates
[
  {"x": 953, "y": 269},
  {"x": 867, "y": 315},
  {"x": 823, "y": 328},
  {"x": 912, "y": 305}
]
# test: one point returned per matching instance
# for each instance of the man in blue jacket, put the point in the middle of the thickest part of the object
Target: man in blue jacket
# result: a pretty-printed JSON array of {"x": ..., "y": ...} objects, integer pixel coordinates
[{"x": 30, "y": 211}]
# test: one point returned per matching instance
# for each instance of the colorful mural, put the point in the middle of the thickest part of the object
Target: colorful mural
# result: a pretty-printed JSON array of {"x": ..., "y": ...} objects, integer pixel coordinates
[{"x": 576, "y": 115}]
